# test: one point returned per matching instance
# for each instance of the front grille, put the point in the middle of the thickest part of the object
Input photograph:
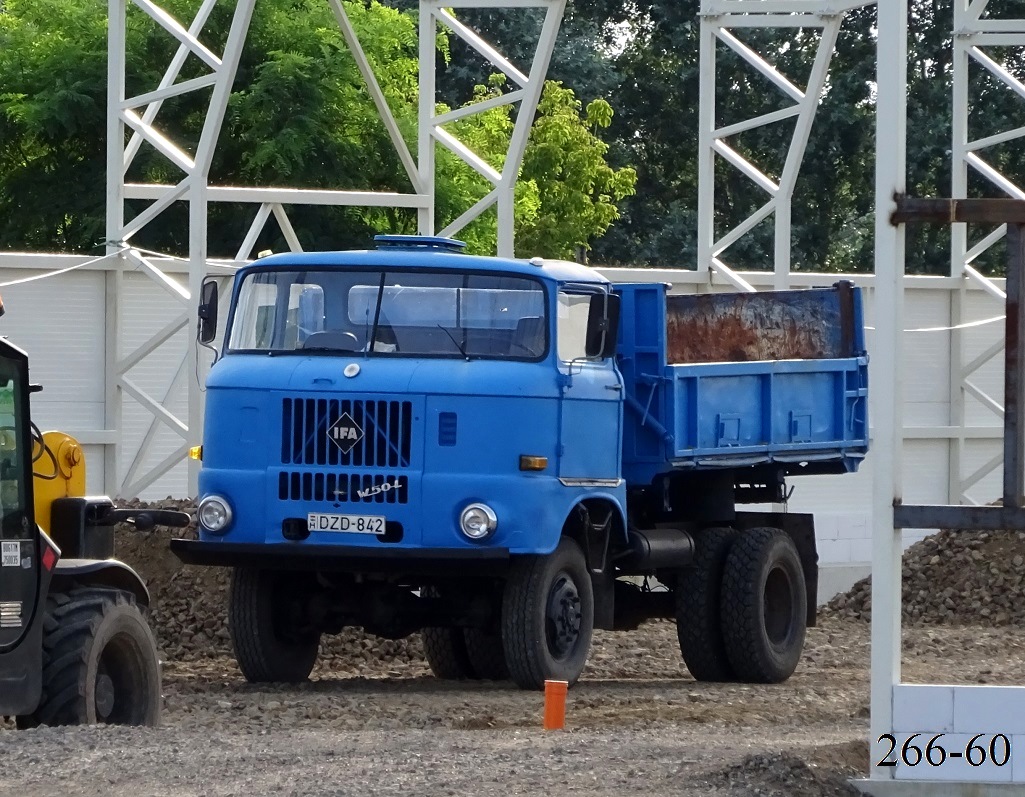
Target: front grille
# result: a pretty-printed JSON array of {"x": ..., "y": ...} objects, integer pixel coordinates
[
  {"x": 343, "y": 488},
  {"x": 377, "y": 433},
  {"x": 10, "y": 614}
]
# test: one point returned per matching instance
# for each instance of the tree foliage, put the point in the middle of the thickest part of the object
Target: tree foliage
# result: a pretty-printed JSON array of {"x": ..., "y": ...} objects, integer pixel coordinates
[
  {"x": 624, "y": 184},
  {"x": 299, "y": 116},
  {"x": 651, "y": 49}
]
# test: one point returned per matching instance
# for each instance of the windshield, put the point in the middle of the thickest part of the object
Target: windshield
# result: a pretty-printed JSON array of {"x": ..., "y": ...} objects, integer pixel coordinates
[{"x": 391, "y": 313}]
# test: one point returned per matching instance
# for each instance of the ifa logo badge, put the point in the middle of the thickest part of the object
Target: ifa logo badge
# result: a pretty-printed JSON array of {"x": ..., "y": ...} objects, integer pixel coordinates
[{"x": 345, "y": 433}]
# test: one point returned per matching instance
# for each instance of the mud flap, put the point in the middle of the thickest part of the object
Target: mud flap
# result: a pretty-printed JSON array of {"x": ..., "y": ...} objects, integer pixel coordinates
[{"x": 801, "y": 529}]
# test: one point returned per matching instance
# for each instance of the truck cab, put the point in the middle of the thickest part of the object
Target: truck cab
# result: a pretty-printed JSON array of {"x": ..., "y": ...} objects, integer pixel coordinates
[{"x": 410, "y": 398}]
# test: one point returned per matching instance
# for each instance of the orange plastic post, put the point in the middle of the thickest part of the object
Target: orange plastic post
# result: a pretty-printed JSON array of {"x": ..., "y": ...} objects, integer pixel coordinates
[{"x": 555, "y": 705}]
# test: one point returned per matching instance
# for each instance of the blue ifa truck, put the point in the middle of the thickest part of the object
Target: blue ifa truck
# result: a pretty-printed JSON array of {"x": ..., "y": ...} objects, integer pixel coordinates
[{"x": 504, "y": 455}]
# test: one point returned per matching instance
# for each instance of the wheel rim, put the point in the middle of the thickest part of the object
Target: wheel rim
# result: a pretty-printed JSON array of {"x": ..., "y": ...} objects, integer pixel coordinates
[
  {"x": 121, "y": 691},
  {"x": 563, "y": 617},
  {"x": 104, "y": 696},
  {"x": 779, "y": 606}
]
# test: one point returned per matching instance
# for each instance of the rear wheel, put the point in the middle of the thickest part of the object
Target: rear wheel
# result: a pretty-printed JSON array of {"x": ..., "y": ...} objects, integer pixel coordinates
[
  {"x": 100, "y": 662},
  {"x": 272, "y": 640},
  {"x": 459, "y": 653},
  {"x": 484, "y": 650},
  {"x": 445, "y": 651},
  {"x": 764, "y": 606},
  {"x": 548, "y": 617},
  {"x": 698, "y": 601}
]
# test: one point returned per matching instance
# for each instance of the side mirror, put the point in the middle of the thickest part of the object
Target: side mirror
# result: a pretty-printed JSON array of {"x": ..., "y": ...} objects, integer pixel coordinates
[
  {"x": 208, "y": 311},
  {"x": 602, "y": 326}
]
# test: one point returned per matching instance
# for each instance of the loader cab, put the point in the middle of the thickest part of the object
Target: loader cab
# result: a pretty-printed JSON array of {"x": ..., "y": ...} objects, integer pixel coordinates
[
  {"x": 19, "y": 540},
  {"x": 25, "y": 564}
]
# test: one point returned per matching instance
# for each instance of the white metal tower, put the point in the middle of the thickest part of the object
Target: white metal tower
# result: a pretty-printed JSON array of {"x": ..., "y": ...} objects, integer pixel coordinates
[
  {"x": 140, "y": 115},
  {"x": 723, "y": 22}
]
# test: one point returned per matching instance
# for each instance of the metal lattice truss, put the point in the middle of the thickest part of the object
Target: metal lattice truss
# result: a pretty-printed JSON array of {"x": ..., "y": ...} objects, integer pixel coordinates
[
  {"x": 527, "y": 94},
  {"x": 719, "y": 20},
  {"x": 975, "y": 32},
  {"x": 141, "y": 116}
]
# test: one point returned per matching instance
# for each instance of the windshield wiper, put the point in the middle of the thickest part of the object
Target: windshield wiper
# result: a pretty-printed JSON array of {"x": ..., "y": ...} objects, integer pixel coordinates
[
  {"x": 377, "y": 314},
  {"x": 452, "y": 337}
]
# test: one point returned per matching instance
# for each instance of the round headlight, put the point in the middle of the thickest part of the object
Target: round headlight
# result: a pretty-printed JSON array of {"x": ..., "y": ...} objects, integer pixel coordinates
[
  {"x": 214, "y": 514},
  {"x": 478, "y": 521}
]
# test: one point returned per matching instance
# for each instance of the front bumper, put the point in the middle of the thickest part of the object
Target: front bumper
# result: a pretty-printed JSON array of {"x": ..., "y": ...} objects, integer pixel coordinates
[{"x": 392, "y": 560}]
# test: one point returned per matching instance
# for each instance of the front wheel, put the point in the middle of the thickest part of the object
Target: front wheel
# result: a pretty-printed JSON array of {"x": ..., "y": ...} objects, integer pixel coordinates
[
  {"x": 100, "y": 662},
  {"x": 764, "y": 606},
  {"x": 272, "y": 639},
  {"x": 548, "y": 617}
]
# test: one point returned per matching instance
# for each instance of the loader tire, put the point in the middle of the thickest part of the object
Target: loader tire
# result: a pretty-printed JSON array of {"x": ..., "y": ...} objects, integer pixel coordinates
[
  {"x": 100, "y": 662},
  {"x": 698, "y": 607},
  {"x": 271, "y": 644},
  {"x": 764, "y": 606}
]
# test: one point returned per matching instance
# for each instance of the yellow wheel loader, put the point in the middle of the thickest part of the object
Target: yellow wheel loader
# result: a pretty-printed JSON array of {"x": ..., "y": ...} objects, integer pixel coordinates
[{"x": 75, "y": 646}]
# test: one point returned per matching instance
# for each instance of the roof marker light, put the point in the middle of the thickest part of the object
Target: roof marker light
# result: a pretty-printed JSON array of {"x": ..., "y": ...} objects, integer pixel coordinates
[{"x": 419, "y": 243}]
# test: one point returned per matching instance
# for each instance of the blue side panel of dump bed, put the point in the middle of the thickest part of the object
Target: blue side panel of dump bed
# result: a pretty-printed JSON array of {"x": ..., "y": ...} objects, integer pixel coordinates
[{"x": 736, "y": 380}]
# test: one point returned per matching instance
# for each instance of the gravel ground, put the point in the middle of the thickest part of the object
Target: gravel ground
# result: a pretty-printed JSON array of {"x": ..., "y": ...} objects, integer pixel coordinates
[
  {"x": 373, "y": 721},
  {"x": 636, "y": 724}
]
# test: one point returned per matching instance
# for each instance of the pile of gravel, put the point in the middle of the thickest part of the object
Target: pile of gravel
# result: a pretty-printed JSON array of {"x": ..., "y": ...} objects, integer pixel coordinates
[
  {"x": 189, "y": 604},
  {"x": 821, "y": 772},
  {"x": 954, "y": 578}
]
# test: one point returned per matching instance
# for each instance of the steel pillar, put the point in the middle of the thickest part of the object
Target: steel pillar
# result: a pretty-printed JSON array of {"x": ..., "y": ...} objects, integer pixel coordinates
[{"x": 975, "y": 34}]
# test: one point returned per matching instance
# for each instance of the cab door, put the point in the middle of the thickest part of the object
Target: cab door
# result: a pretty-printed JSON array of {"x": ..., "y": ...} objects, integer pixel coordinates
[
  {"x": 22, "y": 579},
  {"x": 591, "y": 401},
  {"x": 19, "y": 542}
]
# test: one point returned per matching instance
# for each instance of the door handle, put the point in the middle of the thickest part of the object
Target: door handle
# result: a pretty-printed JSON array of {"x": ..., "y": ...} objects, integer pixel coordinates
[{"x": 613, "y": 387}]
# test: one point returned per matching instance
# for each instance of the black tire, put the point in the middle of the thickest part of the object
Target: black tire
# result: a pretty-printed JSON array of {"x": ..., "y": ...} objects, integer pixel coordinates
[
  {"x": 485, "y": 653},
  {"x": 548, "y": 617},
  {"x": 764, "y": 606},
  {"x": 445, "y": 651},
  {"x": 271, "y": 643},
  {"x": 698, "y": 607},
  {"x": 100, "y": 662}
]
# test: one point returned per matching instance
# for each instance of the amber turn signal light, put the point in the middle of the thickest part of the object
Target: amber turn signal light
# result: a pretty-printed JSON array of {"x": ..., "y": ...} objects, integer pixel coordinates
[{"x": 529, "y": 462}]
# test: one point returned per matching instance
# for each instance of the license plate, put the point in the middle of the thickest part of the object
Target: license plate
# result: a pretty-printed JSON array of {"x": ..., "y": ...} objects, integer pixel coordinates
[{"x": 352, "y": 524}]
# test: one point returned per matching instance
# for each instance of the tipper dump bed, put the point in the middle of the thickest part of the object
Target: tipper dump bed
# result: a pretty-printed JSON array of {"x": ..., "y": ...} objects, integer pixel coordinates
[{"x": 734, "y": 380}]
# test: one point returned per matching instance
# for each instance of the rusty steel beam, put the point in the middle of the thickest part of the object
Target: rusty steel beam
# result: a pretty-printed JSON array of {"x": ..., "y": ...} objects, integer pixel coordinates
[
  {"x": 1014, "y": 362},
  {"x": 960, "y": 518},
  {"x": 953, "y": 211},
  {"x": 985, "y": 211}
]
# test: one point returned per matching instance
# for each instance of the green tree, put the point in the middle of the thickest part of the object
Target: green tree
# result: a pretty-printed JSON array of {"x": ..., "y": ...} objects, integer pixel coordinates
[
  {"x": 299, "y": 116},
  {"x": 566, "y": 195},
  {"x": 51, "y": 121},
  {"x": 656, "y": 131}
]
